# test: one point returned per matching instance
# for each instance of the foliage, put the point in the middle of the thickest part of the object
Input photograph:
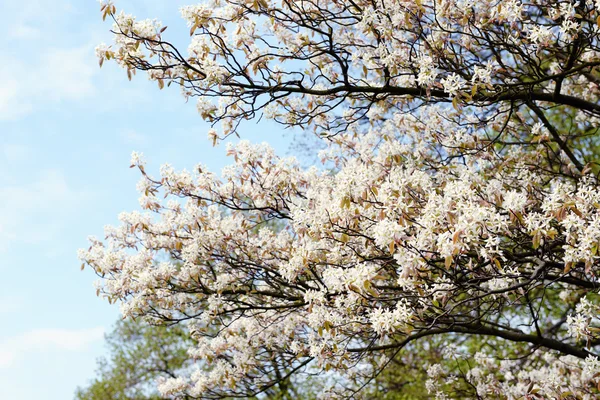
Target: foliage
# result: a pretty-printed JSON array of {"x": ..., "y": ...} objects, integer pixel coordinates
[
  {"x": 459, "y": 204},
  {"x": 140, "y": 354}
]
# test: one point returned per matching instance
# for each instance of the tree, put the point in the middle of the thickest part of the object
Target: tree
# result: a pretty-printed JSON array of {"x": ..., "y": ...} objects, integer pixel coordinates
[
  {"x": 459, "y": 202},
  {"x": 140, "y": 354}
]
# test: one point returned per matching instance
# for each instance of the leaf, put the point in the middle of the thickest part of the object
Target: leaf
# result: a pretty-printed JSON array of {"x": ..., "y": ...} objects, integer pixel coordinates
[
  {"x": 448, "y": 261},
  {"x": 455, "y": 104},
  {"x": 498, "y": 264},
  {"x": 588, "y": 266},
  {"x": 536, "y": 240},
  {"x": 456, "y": 236},
  {"x": 568, "y": 267},
  {"x": 345, "y": 202},
  {"x": 353, "y": 288},
  {"x": 371, "y": 290}
]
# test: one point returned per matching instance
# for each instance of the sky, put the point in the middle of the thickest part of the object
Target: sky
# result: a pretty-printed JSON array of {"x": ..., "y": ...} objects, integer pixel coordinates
[{"x": 67, "y": 130}]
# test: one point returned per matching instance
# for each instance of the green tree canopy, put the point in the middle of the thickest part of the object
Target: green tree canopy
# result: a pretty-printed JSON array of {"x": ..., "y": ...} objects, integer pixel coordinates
[{"x": 139, "y": 355}]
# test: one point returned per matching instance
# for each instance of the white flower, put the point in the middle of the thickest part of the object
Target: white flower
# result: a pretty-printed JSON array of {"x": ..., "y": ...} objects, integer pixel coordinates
[
  {"x": 386, "y": 232},
  {"x": 171, "y": 386},
  {"x": 540, "y": 35},
  {"x": 510, "y": 11},
  {"x": 435, "y": 371},
  {"x": 387, "y": 321},
  {"x": 137, "y": 159},
  {"x": 483, "y": 74},
  {"x": 578, "y": 326},
  {"x": 514, "y": 201},
  {"x": 591, "y": 367},
  {"x": 453, "y": 83},
  {"x": 427, "y": 71}
]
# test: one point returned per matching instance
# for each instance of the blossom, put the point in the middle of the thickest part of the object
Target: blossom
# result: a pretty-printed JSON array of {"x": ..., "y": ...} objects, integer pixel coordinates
[
  {"x": 387, "y": 321},
  {"x": 540, "y": 35},
  {"x": 452, "y": 84},
  {"x": 171, "y": 386},
  {"x": 427, "y": 71},
  {"x": 137, "y": 159},
  {"x": 578, "y": 326},
  {"x": 591, "y": 367}
]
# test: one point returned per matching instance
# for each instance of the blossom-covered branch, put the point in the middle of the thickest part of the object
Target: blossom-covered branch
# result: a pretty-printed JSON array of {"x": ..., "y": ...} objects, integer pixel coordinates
[
  {"x": 296, "y": 62},
  {"x": 458, "y": 197}
]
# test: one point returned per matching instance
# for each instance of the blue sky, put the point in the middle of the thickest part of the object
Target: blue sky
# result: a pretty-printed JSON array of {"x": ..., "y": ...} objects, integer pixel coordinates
[{"x": 67, "y": 129}]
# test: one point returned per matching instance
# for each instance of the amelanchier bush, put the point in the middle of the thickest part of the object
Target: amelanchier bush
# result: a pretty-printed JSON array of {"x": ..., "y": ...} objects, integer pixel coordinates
[{"x": 459, "y": 197}]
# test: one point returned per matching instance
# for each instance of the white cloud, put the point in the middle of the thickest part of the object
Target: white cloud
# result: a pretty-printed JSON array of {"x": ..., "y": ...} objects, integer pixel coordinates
[
  {"x": 27, "y": 19},
  {"x": 35, "y": 211},
  {"x": 13, "y": 153},
  {"x": 49, "y": 55},
  {"x": 24, "y": 31},
  {"x": 131, "y": 136},
  {"x": 10, "y": 304},
  {"x": 42, "y": 61},
  {"x": 44, "y": 340},
  {"x": 67, "y": 74},
  {"x": 13, "y": 104},
  {"x": 59, "y": 74}
]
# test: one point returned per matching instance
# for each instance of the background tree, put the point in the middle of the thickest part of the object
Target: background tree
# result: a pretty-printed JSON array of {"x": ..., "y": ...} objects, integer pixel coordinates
[
  {"x": 140, "y": 354},
  {"x": 452, "y": 205}
]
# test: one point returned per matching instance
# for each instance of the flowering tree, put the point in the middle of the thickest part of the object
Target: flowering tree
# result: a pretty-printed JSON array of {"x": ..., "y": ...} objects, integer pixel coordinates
[{"x": 458, "y": 197}]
